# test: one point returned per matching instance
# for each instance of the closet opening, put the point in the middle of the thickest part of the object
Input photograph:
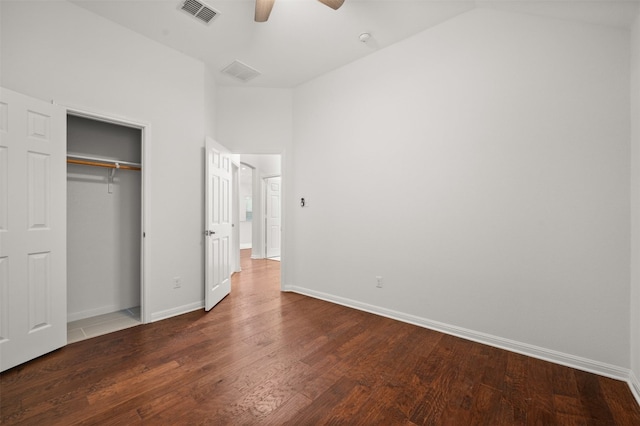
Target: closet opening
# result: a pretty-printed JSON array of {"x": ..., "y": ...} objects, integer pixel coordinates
[{"x": 104, "y": 226}]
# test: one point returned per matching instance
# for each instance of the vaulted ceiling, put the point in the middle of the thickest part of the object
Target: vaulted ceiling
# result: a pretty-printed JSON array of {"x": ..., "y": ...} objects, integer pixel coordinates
[{"x": 303, "y": 38}]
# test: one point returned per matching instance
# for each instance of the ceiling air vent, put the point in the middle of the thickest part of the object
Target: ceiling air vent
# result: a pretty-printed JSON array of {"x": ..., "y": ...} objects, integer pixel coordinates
[
  {"x": 199, "y": 10},
  {"x": 240, "y": 71}
]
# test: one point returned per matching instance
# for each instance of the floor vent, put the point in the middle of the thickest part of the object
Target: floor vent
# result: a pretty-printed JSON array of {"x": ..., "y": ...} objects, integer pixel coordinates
[
  {"x": 199, "y": 10},
  {"x": 240, "y": 71}
]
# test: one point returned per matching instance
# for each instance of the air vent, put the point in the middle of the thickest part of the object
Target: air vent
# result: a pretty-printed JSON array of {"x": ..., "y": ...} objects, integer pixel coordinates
[
  {"x": 240, "y": 71},
  {"x": 199, "y": 10}
]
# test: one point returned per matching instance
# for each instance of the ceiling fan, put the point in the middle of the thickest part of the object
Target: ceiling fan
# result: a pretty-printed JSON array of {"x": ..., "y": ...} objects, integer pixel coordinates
[{"x": 263, "y": 7}]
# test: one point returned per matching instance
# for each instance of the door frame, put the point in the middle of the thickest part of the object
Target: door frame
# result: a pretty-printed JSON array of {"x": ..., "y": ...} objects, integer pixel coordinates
[
  {"x": 235, "y": 217},
  {"x": 145, "y": 140}
]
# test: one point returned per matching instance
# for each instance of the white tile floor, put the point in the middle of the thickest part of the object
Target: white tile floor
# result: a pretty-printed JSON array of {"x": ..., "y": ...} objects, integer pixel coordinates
[{"x": 102, "y": 324}]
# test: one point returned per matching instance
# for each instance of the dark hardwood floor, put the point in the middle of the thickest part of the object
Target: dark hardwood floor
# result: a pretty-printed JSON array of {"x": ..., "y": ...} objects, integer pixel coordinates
[{"x": 266, "y": 357}]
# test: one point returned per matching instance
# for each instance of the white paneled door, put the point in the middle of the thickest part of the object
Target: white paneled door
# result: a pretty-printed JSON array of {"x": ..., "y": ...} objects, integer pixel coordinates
[
  {"x": 33, "y": 296},
  {"x": 273, "y": 217},
  {"x": 218, "y": 222}
]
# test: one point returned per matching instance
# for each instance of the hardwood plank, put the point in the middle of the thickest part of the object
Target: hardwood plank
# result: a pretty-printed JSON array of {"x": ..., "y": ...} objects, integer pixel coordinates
[
  {"x": 267, "y": 357},
  {"x": 486, "y": 403},
  {"x": 568, "y": 407},
  {"x": 620, "y": 402},
  {"x": 379, "y": 412},
  {"x": 515, "y": 390},
  {"x": 122, "y": 389},
  {"x": 461, "y": 397},
  {"x": 495, "y": 369},
  {"x": 294, "y": 405},
  {"x": 564, "y": 381},
  {"x": 438, "y": 376},
  {"x": 401, "y": 386},
  {"x": 595, "y": 405},
  {"x": 114, "y": 417},
  {"x": 540, "y": 392},
  {"x": 326, "y": 374},
  {"x": 321, "y": 408}
]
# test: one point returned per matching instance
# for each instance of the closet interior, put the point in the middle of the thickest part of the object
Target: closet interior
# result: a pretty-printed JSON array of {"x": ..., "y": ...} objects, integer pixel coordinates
[{"x": 104, "y": 207}]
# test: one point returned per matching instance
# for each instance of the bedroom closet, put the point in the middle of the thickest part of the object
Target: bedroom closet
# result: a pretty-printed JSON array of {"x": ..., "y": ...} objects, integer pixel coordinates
[{"x": 104, "y": 207}]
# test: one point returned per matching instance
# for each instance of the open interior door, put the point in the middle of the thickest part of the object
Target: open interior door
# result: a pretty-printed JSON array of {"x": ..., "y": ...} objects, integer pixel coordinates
[
  {"x": 218, "y": 223},
  {"x": 33, "y": 288}
]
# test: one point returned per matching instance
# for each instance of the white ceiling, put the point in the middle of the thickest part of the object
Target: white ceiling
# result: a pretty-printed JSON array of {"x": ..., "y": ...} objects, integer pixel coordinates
[{"x": 303, "y": 38}]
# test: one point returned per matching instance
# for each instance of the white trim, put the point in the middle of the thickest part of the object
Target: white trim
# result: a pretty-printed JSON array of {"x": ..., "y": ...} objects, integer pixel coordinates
[
  {"x": 284, "y": 266},
  {"x": 145, "y": 298},
  {"x": 173, "y": 312},
  {"x": 591, "y": 366},
  {"x": 101, "y": 116},
  {"x": 235, "y": 214},
  {"x": 257, "y": 221},
  {"x": 634, "y": 385},
  {"x": 145, "y": 140},
  {"x": 76, "y": 316},
  {"x": 265, "y": 177},
  {"x": 245, "y": 246}
]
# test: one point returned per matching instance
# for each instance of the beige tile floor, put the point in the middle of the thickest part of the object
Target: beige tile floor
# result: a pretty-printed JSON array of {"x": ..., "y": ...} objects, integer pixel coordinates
[{"x": 102, "y": 324}]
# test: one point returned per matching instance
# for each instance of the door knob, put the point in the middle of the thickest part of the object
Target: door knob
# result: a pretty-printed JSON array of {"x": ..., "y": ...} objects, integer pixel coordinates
[{"x": 208, "y": 233}]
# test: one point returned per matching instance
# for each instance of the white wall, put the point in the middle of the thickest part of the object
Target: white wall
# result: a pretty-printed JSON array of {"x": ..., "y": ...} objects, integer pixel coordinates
[
  {"x": 56, "y": 50},
  {"x": 254, "y": 120},
  {"x": 635, "y": 204},
  {"x": 103, "y": 227},
  {"x": 265, "y": 165},
  {"x": 210, "y": 94},
  {"x": 510, "y": 133}
]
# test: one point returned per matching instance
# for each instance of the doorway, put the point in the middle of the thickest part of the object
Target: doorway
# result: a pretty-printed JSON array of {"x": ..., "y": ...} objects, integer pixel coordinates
[
  {"x": 105, "y": 187},
  {"x": 253, "y": 201}
]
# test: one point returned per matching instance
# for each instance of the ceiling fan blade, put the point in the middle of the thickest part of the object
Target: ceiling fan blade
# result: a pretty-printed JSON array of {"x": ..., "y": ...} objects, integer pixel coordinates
[
  {"x": 263, "y": 10},
  {"x": 333, "y": 4}
]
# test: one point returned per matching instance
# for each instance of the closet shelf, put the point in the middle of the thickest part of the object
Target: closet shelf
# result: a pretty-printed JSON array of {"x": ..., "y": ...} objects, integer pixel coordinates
[{"x": 102, "y": 162}]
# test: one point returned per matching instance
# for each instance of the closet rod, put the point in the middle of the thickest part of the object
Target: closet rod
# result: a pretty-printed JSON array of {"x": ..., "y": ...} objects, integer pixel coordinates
[{"x": 102, "y": 162}]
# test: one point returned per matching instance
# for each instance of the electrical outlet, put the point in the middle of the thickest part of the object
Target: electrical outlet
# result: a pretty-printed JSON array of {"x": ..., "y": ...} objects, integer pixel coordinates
[
  {"x": 379, "y": 281},
  {"x": 177, "y": 282}
]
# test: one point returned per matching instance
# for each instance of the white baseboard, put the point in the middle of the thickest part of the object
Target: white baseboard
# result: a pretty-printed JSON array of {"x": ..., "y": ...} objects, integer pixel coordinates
[
  {"x": 634, "y": 384},
  {"x": 245, "y": 246},
  {"x": 568, "y": 360},
  {"x": 76, "y": 316},
  {"x": 157, "y": 316}
]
